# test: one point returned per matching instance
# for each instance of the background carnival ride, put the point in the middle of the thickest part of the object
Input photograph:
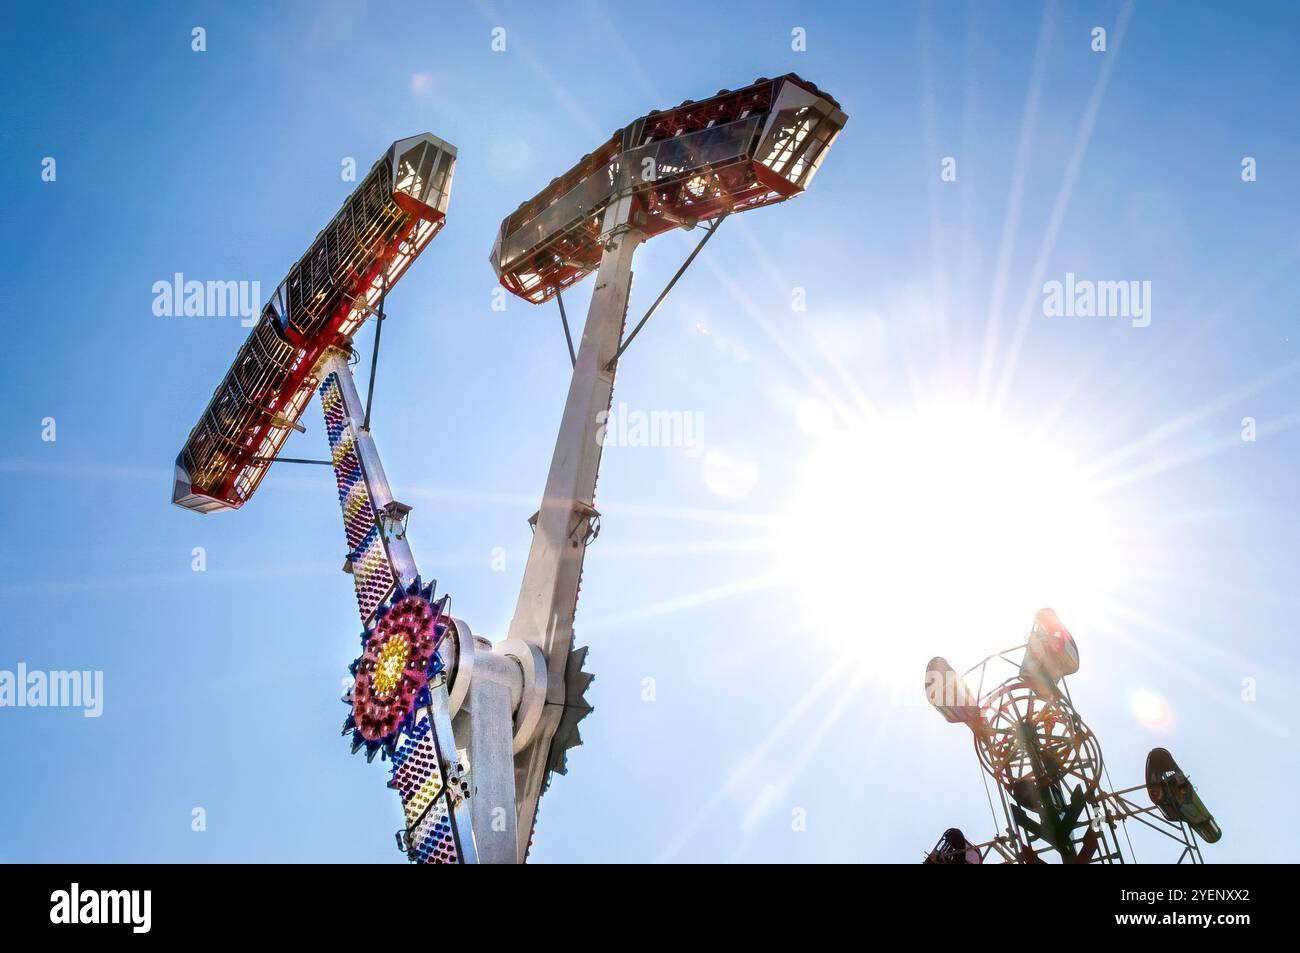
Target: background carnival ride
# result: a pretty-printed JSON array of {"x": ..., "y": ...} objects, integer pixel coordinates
[
  {"x": 473, "y": 731},
  {"x": 1047, "y": 764}
]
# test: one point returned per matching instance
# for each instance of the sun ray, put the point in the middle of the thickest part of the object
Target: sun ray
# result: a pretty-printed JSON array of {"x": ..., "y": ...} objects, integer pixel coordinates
[
  {"x": 161, "y": 580},
  {"x": 691, "y": 547},
  {"x": 1189, "y": 419},
  {"x": 664, "y": 607},
  {"x": 794, "y": 713},
  {"x": 809, "y": 744},
  {"x": 929, "y": 110},
  {"x": 595, "y": 13},
  {"x": 789, "y": 354},
  {"x": 1172, "y": 584},
  {"x": 558, "y": 91},
  {"x": 1015, "y": 198},
  {"x": 1205, "y": 687},
  {"x": 1083, "y": 137},
  {"x": 1195, "y": 455}
]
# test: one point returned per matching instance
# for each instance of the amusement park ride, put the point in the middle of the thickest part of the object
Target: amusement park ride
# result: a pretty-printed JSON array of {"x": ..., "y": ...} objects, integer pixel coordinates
[
  {"x": 473, "y": 731},
  {"x": 1047, "y": 764}
]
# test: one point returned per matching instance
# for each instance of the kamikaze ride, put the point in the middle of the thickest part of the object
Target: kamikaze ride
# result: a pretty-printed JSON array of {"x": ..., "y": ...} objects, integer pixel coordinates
[{"x": 468, "y": 726}]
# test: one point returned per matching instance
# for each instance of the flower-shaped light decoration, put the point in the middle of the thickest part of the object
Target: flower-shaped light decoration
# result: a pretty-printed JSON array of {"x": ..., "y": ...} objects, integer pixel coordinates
[{"x": 399, "y": 655}]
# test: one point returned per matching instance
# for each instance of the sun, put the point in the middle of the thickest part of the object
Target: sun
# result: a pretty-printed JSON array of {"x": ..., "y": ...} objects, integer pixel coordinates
[{"x": 941, "y": 527}]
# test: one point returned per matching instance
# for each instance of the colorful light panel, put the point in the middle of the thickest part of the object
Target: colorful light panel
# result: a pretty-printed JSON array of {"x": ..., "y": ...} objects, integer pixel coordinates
[
  {"x": 418, "y": 779},
  {"x": 371, "y": 573}
]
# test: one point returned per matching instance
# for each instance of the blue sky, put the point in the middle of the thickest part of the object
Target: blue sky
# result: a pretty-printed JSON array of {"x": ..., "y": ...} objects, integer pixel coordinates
[{"x": 782, "y": 585}]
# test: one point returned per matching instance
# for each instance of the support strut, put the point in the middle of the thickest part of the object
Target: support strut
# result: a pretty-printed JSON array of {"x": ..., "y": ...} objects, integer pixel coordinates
[
  {"x": 704, "y": 240},
  {"x": 374, "y": 357},
  {"x": 568, "y": 338}
]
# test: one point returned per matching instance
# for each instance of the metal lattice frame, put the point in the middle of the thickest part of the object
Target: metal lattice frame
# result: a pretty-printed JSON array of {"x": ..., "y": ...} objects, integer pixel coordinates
[{"x": 1059, "y": 731}]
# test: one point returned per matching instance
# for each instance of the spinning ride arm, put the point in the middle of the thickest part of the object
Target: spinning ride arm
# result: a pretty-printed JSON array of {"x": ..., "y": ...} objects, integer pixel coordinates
[{"x": 735, "y": 151}]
